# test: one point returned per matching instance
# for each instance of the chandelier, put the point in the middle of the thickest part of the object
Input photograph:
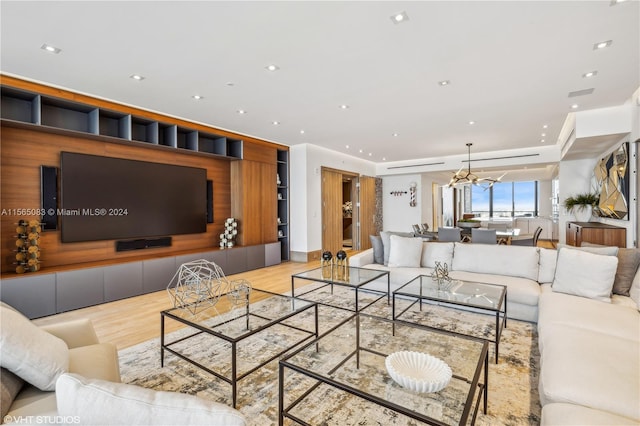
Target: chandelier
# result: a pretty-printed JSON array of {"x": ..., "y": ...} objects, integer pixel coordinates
[{"x": 465, "y": 177}]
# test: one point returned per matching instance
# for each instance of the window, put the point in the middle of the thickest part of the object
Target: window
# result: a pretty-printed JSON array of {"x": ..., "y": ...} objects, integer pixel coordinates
[{"x": 504, "y": 199}]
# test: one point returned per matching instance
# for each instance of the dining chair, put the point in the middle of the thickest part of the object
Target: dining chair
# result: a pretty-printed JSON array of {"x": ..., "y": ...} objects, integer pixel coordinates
[
  {"x": 483, "y": 236},
  {"x": 449, "y": 234},
  {"x": 531, "y": 241}
]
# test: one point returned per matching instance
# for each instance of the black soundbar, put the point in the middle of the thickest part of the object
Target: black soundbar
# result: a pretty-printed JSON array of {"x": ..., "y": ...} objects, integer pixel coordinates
[{"x": 143, "y": 243}]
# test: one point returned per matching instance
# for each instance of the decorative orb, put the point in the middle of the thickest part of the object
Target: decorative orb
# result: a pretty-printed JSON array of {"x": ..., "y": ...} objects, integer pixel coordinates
[
  {"x": 327, "y": 255},
  {"x": 341, "y": 255}
]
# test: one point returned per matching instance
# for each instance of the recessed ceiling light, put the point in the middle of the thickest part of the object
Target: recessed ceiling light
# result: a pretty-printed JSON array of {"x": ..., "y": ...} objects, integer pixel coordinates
[
  {"x": 344, "y": 106},
  {"x": 444, "y": 82},
  {"x": 589, "y": 74},
  {"x": 360, "y": 151},
  {"x": 395, "y": 135},
  {"x": 614, "y": 2},
  {"x": 346, "y": 146},
  {"x": 369, "y": 154},
  {"x": 543, "y": 135},
  {"x": 51, "y": 49},
  {"x": 398, "y": 18},
  {"x": 272, "y": 67},
  {"x": 230, "y": 83},
  {"x": 197, "y": 97},
  {"x": 384, "y": 158},
  {"x": 602, "y": 44},
  {"x": 541, "y": 140},
  {"x": 471, "y": 123},
  {"x": 241, "y": 111},
  {"x": 544, "y": 126},
  {"x": 574, "y": 106},
  {"x": 137, "y": 77},
  {"x": 302, "y": 132},
  {"x": 275, "y": 123}
]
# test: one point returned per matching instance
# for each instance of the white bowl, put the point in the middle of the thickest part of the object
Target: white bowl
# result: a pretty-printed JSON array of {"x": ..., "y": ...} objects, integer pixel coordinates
[{"x": 418, "y": 371}]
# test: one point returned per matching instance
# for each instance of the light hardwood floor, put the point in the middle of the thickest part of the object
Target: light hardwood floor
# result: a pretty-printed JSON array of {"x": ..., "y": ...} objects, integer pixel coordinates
[{"x": 134, "y": 320}]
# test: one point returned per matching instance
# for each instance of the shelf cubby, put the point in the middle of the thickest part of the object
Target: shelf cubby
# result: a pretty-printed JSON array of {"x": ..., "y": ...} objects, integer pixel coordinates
[
  {"x": 168, "y": 135},
  {"x": 234, "y": 148},
  {"x": 212, "y": 144},
  {"x": 187, "y": 139},
  {"x": 143, "y": 130},
  {"x": 68, "y": 115},
  {"x": 114, "y": 124},
  {"x": 20, "y": 106}
]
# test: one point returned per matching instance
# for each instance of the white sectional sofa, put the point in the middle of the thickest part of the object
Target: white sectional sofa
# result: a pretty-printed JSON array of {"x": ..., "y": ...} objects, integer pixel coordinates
[{"x": 589, "y": 338}]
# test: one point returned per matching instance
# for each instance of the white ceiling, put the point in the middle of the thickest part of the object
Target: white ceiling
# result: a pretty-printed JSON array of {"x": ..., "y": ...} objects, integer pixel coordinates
[{"x": 511, "y": 66}]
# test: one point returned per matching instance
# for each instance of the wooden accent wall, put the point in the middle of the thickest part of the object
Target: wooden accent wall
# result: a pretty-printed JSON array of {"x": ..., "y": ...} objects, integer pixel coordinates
[
  {"x": 367, "y": 211},
  {"x": 253, "y": 195},
  {"x": 331, "y": 210},
  {"x": 24, "y": 150}
]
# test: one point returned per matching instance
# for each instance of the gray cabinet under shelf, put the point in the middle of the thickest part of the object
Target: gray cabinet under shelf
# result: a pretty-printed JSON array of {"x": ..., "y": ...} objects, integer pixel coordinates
[
  {"x": 122, "y": 281},
  {"x": 34, "y": 296},
  {"x": 79, "y": 288}
]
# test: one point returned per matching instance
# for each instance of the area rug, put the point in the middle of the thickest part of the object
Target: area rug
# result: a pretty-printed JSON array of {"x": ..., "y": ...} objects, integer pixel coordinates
[{"x": 513, "y": 382}]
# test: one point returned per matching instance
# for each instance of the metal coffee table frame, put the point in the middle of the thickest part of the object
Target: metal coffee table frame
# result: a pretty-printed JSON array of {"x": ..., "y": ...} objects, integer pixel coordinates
[
  {"x": 234, "y": 341},
  {"x": 315, "y": 275},
  {"x": 475, "y": 383},
  {"x": 500, "y": 311}
]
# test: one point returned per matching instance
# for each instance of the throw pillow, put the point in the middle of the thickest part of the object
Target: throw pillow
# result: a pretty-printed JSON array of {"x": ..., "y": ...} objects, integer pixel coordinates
[
  {"x": 405, "y": 252},
  {"x": 628, "y": 263},
  {"x": 386, "y": 243},
  {"x": 10, "y": 385},
  {"x": 585, "y": 274},
  {"x": 31, "y": 353},
  {"x": 436, "y": 252},
  {"x": 99, "y": 402},
  {"x": 593, "y": 248},
  {"x": 378, "y": 249}
]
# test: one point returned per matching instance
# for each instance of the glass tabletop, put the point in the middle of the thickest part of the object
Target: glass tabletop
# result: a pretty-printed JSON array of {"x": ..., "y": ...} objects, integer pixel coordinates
[
  {"x": 334, "y": 360},
  {"x": 474, "y": 294},
  {"x": 234, "y": 316},
  {"x": 350, "y": 276}
]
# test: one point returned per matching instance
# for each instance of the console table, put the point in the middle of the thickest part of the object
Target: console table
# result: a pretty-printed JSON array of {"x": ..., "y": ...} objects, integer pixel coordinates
[{"x": 595, "y": 233}]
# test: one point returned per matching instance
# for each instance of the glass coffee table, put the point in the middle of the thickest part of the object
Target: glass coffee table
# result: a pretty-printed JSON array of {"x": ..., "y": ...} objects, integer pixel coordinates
[
  {"x": 358, "y": 282},
  {"x": 479, "y": 297},
  {"x": 222, "y": 339},
  {"x": 341, "y": 377}
]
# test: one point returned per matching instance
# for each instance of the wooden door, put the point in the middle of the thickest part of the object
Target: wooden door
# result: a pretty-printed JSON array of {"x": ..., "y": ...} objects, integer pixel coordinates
[
  {"x": 367, "y": 217},
  {"x": 331, "y": 210}
]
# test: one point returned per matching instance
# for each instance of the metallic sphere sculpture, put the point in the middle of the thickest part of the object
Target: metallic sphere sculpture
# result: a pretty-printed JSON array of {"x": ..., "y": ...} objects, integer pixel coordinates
[
  {"x": 239, "y": 291},
  {"x": 197, "y": 285},
  {"x": 341, "y": 255}
]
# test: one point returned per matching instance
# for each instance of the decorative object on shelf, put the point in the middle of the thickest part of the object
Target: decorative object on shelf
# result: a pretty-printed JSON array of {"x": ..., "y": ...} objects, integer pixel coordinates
[
  {"x": 612, "y": 180},
  {"x": 466, "y": 177},
  {"x": 279, "y": 221},
  {"x": 227, "y": 239},
  {"x": 280, "y": 233},
  {"x": 582, "y": 205},
  {"x": 441, "y": 274},
  {"x": 278, "y": 181},
  {"x": 342, "y": 265},
  {"x": 280, "y": 196},
  {"x": 412, "y": 194},
  {"x": 197, "y": 285},
  {"x": 28, "y": 246},
  {"x": 397, "y": 193},
  {"x": 347, "y": 209},
  {"x": 326, "y": 263},
  {"x": 418, "y": 371}
]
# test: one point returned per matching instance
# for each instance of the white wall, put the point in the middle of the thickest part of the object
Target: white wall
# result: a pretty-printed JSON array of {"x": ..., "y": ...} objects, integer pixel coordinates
[
  {"x": 397, "y": 214},
  {"x": 306, "y": 161},
  {"x": 544, "y": 198}
]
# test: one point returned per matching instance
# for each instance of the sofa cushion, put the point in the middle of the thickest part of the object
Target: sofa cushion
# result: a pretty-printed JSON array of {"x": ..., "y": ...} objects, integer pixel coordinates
[
  {"x": 386, "y": 242},
  {"x": 562, "y": 414},
  {"x": 585, "y": 274},
  {"x": 10, "y": 385},
  {"x": 592, "y": 369},
  {"x": 628, "y": 262},
  {"x": 547, "y": 265},
  {"x": 488, "y": 259},
  {"x": 121, "y": 403},
  {"x": 615, "y": 319},
  {"x": 378, "y": 249},
  {"x": 99, "y": 361},
  {"x": 405, "y": 252},
  {"x": 634, "y": 291},
  {"x": 32, "y": 402},
  {"x": 592, "y": 248},
  {"x": 436, "y": 252},
  {"x": 31, "y": 353}
]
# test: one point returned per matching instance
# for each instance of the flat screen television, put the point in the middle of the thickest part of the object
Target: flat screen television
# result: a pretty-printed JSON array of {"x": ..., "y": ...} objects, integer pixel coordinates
[{"x": 105, "y": 198}]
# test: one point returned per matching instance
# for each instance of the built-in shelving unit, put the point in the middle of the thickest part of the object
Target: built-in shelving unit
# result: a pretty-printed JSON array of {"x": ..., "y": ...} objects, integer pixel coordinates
[
  {"x": 26, "y": 107},
  {"x": 283, "y": 202}
]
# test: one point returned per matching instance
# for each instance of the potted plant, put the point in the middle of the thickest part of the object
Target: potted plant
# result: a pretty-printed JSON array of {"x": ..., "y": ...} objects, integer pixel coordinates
[
  {"x": 469, "y": 223},
  {"x": 581, "y": 205}
]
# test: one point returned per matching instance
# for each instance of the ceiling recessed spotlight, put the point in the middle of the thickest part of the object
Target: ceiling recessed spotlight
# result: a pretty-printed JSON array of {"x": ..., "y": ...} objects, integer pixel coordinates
[
  {"x": 574, "y": 106},
  {"x": 197, "y": 97},
  {"x": 543, "y": 135},
  {"x": 545, "y": 126},
  {"x": 137, "y": 77},
  {"x": 444, "y": 82},
  {"x": 384, "y": 158},
  {"x": 241, "y": 111},
  {"x": 369, "y": 154},
  {"x": 50, "y": 49},
  {"x": 614, "y": 2},
  {"x": 302, "y": 132},
  {"x": 275, "y": 123},
  {"x": 395, "y": 135},
  {"x": 346, "y": 146},
  {"x": 541, "y": 140},
  {"x": 471, "y": 123},
  {"x": 399, "y": 17},
  {"x": 602, "y": 44},
  {"x": 589, "y": 74},
  {"x": 344, "y": 106},
  {"x": 272, "y": 67},
  {"x": 360, "y": 151}
]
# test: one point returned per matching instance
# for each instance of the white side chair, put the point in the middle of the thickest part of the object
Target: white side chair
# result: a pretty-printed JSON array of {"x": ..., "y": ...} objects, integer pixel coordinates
[{"x": 449, "y": 234}]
